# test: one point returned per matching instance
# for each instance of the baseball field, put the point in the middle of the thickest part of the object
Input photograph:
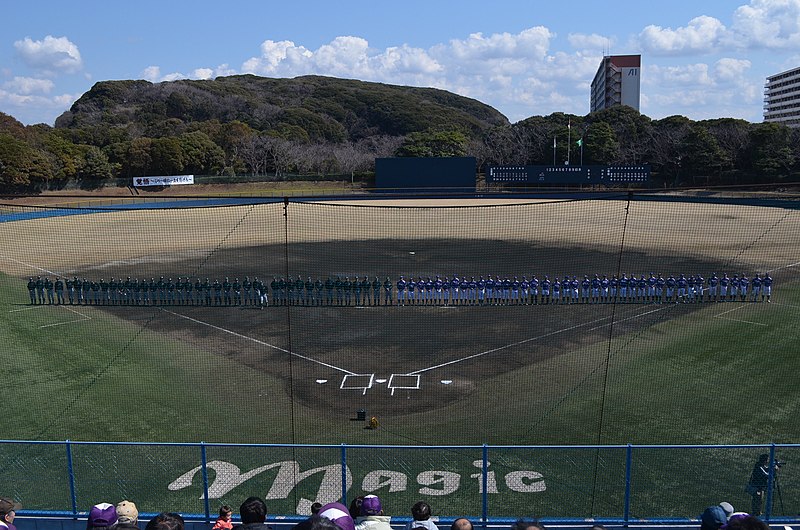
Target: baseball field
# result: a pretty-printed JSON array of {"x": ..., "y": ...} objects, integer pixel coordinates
[{"x": 710, "y": 373}]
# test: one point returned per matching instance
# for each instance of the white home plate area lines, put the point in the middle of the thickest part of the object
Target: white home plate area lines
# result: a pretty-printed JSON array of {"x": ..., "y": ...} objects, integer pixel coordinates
[{"x": 412, "y": 380}]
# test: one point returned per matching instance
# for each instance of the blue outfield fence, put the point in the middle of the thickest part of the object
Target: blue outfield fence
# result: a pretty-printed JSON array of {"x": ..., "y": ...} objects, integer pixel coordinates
[{"x": 621, "y": 484}]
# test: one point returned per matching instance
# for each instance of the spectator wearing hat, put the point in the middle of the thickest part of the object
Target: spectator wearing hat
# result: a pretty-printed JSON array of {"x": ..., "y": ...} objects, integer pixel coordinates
[
  {"x": 372, "y": 517},
  {"x": 253, "y": 512},
  {"x": 127, "y": 516},
  {"x": 8, "y": 510},
  {"x": 421, "y": 512},
  {"x": 339, "y": 514},
  {"x": 713, "y": 518},
  {"x": 101, "y": 516}
]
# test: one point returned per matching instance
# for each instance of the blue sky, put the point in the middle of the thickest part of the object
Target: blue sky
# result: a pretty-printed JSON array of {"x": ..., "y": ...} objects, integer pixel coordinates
[{"x": 701, "y": 59}]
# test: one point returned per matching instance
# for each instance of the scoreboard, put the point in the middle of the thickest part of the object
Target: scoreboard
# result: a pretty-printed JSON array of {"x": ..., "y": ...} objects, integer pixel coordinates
[{"x": 608, "y": 175}]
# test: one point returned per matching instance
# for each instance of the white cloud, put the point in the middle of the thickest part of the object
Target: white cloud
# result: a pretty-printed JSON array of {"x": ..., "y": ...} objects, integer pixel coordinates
[
  {"x": 151, "y": 73},
  {"x": 29, "y": 85},
  {"x": 703, "y": 34},
  {"x": 202, "y": 73},
  {"x": 50, "y": 55},
  {"x": 690, "y": 75},
  {"x": 767, "y": 23},
  {"x": 727, "y": 69},
  {"x": 595, "y": 43}
]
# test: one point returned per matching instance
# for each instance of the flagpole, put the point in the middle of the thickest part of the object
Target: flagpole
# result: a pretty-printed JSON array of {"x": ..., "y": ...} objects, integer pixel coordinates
[
  {"x": 569, "y": 139},
  {"x": 581, "y": 151},
  {"x": 554, "y": 151}
]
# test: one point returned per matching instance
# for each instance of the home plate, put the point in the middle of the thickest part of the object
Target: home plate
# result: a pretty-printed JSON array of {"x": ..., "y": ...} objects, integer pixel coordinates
[
  {"x": 381, "y": 381},
  {"x": 322, "y": 381},
  {"x": 446, "y": 381},
  {"x": 412, "y": 253}
]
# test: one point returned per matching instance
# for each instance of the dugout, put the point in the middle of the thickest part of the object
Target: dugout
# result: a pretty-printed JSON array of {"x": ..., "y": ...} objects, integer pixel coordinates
[{"x": 425, "y": 174}]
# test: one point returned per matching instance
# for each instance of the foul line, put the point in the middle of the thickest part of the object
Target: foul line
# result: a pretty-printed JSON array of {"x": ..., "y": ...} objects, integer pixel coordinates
[
  {"x": 736, "y": 319},
  {"x": 785, "y": 267},
  {"x": 85, "y": 317},
  {"x": 259, "y": 342},
  {"x": 37, "y": 306},
  {"x": 531, "y": 339},
  {"x": 29, "y": 265}
]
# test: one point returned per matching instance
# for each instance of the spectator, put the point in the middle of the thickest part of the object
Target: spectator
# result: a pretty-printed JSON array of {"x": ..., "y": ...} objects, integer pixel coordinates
[
  {"x": 355, "y": 507},
  {"x": 315, "y": 508},
  {"x": 316, "y": 522},
  {"x": 746, "y": 522},
  {"x": 166, "y": 521},
  {"x": 225, "y": 519},
  {"x": 127, "y": 516},
  {"x": 372, "y": 517},
  {"x": 253, "y": 512},
  {"x": 339, "y": 514},
  {"x": 102, "y": 515},
  {"x": 527, "y": 524},
  {"x": 461, "y": 523},
  {"x": 421, "y": 512},
  {"x": 713, "y": 518},
  {"x": 8, "y": 510},
  {"x": 727, "y": 508},
  {"x": 598, "y": 527}
]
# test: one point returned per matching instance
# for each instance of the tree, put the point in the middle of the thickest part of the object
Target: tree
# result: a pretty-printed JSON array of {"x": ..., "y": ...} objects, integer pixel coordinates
[
  {"x": 702, "y": 154},
  {"x": 771, "y": 155},
  {"x": 166, "y": 157},
  {"x": 601, "y": 145},
  {"x": 434, "y": 144},
  {"x": 666, "y": 147},
  {"x": 21, "y": 165},
  {"x": 137, "y": 158},
  {"x": 96, "y": 165}
]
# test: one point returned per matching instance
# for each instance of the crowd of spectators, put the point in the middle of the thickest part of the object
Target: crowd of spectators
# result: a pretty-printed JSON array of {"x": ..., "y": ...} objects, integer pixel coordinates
[{"x": 365, "y": 513}]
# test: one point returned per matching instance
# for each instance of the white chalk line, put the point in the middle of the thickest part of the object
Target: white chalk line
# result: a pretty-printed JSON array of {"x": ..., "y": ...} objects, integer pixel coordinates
[
  {"x": 524, "y": 341},
  {"x": 84, "y": 317},
  {"x": 736, "y": 319},
  {"x": 37, "y": 306},
  {"x": 31, "y": 266},
  {"x": 245, "y": 337},
  {"x": 785, "y": 267}
]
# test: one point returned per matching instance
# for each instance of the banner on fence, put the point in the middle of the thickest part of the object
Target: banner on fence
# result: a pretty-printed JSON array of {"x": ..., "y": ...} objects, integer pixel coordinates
[{"x": 163, "y": 181}]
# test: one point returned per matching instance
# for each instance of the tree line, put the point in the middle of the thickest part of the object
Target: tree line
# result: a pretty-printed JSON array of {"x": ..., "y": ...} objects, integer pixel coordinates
[{"x": 680, "y": 151}]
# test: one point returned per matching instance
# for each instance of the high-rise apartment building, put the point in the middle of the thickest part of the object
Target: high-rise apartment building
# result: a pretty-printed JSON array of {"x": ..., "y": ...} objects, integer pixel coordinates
[
  {"x": 616, "y": 82},
  {"x": 782, "y": 98}
]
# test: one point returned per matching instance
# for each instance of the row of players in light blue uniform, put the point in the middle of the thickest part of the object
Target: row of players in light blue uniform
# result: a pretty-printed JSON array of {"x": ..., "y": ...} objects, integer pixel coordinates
[{"x": 570, "y": 290}]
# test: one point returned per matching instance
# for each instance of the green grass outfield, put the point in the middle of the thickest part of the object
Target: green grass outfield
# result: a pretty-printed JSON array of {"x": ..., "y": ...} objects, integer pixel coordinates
[{"x": 700, "y": 377}]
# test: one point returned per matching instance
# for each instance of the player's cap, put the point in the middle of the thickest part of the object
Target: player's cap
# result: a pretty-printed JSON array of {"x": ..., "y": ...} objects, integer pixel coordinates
[
  {"x": 371, "y": 505},
  {"x": 9, "y": 505},
  {"x": 339, "y": 514},
  {"x": 127, "y": 512},
  {"x": 727, "y": 508}
]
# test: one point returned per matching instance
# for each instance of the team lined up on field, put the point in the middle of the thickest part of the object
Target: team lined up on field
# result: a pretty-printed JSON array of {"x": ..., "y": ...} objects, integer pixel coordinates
[{"x": 428, "y": 291}]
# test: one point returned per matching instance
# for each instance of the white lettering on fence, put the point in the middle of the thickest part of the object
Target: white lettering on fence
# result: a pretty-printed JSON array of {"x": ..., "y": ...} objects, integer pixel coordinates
[{"x": 228, "y": 476}]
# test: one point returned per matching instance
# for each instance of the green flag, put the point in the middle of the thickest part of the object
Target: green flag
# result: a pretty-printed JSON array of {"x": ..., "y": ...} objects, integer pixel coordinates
[{"x": 580, "y": 142}]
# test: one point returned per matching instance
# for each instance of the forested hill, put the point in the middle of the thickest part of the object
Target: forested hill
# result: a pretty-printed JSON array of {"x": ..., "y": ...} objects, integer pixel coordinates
[{"x": 308, "y": 108}]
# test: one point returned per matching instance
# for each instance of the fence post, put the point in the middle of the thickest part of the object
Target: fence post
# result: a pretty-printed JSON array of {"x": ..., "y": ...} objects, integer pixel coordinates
[
  {"x": 205, "y": 481},
  {"x": 71, "y": 474},
  {"x": 485, "y": 485},
  {"x": 628, "y": 464},
  {"x": 344, "y": 474},
  {"x": 770, "y": 484}
]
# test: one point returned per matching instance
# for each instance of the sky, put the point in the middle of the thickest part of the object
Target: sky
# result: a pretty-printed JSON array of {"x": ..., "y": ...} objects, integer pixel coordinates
[{"x": 700, "y": 59}]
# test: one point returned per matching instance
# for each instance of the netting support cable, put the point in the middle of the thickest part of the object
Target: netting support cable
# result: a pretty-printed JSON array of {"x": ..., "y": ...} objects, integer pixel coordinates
[
  {"x": 289, "y": 335},
  {"x": 606, "y": 368}
]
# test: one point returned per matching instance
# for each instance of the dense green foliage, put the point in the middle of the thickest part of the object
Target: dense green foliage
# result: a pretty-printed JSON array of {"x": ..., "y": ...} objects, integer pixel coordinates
[{"x": 322, "y": 126}]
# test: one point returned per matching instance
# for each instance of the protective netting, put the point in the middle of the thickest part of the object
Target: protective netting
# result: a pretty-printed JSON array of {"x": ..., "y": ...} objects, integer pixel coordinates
[{"x": 182, "y": 346}]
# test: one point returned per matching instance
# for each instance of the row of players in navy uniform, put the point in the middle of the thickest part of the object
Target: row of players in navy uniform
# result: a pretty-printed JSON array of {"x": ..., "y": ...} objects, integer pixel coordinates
[
  {"x": 655, "y": 289},
  {"x": 437, "y": 291}
]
